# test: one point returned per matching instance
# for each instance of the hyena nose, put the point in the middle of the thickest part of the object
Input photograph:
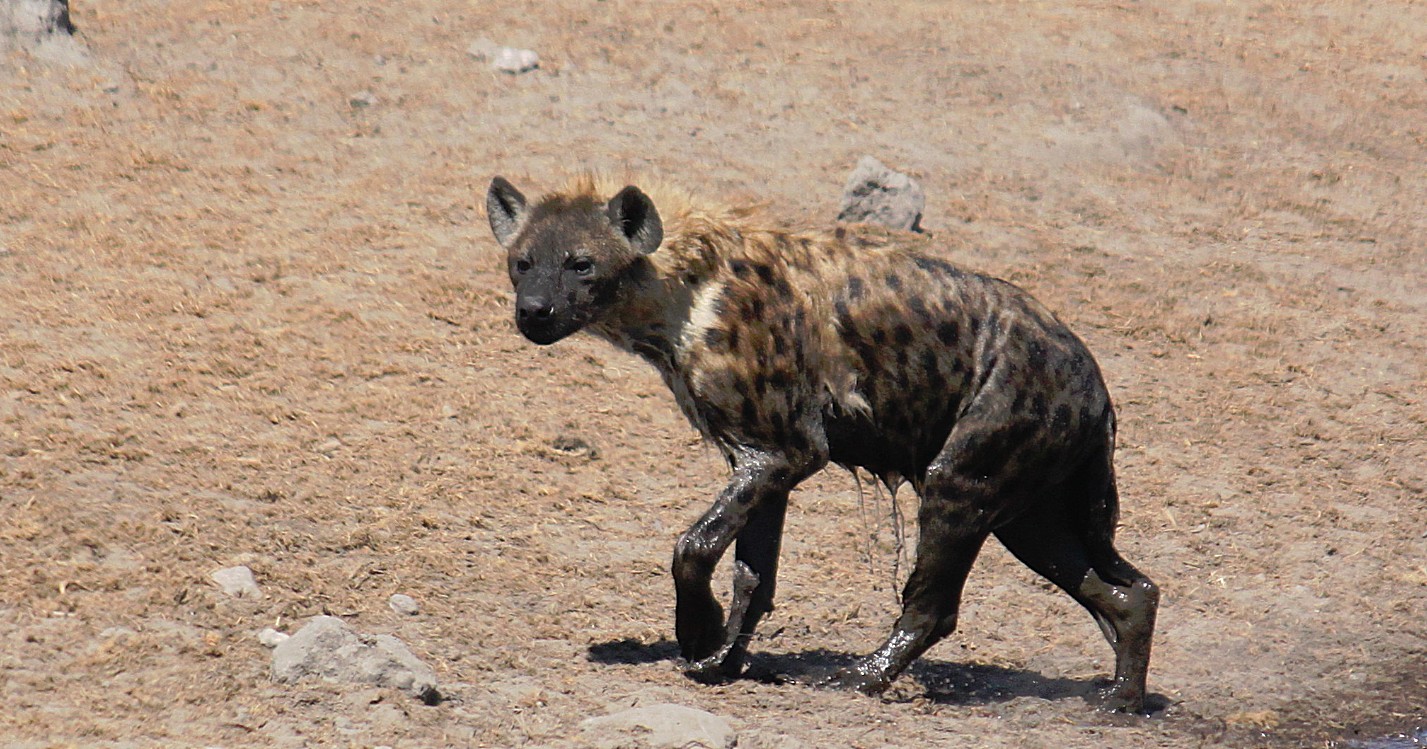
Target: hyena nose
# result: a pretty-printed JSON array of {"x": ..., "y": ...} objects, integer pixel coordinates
[{"x": 536, "y": 309}]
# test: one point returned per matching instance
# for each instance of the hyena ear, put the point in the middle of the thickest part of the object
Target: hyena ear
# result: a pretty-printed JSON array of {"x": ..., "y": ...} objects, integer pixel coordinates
[
  {"x": 633, "y": 214},
  {"x": 505, "y": 208}
]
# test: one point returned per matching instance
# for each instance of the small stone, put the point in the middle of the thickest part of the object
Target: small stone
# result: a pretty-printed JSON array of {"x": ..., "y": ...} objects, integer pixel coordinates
[
  {"x": 661, "y": 726},
  {"x": 515, "y": 61},
  {"x": 237, "y": 582},
  {"x": 271, "y": 638},
  {"x": 403, "y": 604},
  {"x": 362, "y": 100},
  {"x": 327, "y": 648},
  {"x": 877, "y": 195}
]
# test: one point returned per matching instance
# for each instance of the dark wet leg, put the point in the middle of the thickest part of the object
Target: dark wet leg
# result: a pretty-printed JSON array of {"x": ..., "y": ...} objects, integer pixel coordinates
[
  {"x": 750, "y": 509},
  {"x": 1122, "y": 600},
  {"x": 755, "y": 580},
  {"x": 946, "y": 549}
]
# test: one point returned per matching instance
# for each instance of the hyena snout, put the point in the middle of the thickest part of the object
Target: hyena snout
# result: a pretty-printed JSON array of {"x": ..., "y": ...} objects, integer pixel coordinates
[{"x": 544, "y": 320}]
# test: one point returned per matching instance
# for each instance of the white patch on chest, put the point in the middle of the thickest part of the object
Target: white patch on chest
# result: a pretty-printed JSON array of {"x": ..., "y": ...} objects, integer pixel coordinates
[{"x": 702, "y": 316}]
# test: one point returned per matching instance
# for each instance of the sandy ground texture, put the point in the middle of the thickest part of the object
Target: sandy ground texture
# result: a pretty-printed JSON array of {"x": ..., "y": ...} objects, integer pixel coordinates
[{"x": 250, "y": 313}]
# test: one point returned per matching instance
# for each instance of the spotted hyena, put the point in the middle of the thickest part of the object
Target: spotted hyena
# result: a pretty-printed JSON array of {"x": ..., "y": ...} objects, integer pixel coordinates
[{"x": 790, "y": 349}]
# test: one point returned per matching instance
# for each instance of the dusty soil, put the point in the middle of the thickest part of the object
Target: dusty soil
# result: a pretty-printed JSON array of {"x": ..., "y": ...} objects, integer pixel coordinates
[{"x": 250, "y": 313}]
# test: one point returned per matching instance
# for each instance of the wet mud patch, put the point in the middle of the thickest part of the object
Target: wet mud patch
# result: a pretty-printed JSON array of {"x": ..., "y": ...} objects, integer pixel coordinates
[{"x": 1385, "y": 713}]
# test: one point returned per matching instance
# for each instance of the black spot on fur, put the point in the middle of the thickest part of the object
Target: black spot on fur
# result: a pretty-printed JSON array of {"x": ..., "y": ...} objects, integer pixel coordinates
[
  {"x": 854, "y": 287},
  {"x": 798, "y": 441},
  {"x": 894, "y": 282},
  {"x": 947, "y": 332},
  {"x": 879, "y": 336},
  {"x": 933, "y": 265},
  {"x": 740, "y": 269},
  {"x": 716, "y": 339},
  {"x": 765, "y": 273},
  {"x": 749, "y": 411},
  {"x": 903, "y": 334},
  {"x": 918, "y": 305},
  {"x": 930, "y": 363}
]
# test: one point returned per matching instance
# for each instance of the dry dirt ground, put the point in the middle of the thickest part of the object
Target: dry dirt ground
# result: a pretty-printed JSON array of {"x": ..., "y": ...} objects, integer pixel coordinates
[{"x": 250, "y": 313}]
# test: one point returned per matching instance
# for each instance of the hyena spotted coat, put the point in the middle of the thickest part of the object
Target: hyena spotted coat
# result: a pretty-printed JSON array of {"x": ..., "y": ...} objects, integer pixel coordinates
[{"x": 791, "y": 349}]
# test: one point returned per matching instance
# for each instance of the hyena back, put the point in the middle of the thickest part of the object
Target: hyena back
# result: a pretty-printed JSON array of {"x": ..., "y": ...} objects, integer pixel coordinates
[{"x": 791, "y": 349}]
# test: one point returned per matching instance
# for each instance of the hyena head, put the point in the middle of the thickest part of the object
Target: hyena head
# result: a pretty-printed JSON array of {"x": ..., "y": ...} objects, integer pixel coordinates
[{"x": 568, "y": 254}]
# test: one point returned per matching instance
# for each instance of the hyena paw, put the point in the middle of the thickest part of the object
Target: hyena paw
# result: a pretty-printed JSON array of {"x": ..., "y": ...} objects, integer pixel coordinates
[{"x": 857, "y": 678}]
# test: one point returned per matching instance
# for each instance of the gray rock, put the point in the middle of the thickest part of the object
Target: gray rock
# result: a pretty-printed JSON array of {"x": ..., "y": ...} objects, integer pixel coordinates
[
  {"x": 42, "y": 27},
  {"x": 359, "y": 100},
  {"x": 237, "y": 582},
  {"x": 271, "y": 638},
  {"x": 511, "y": 60},
  {"x": 878, "y": 195},
  {"x": 403, "y": 604},
  {"x": 327, "y": 648},
  {"x": 30, "y": 20},
  {"x": 660, "y": 726}
]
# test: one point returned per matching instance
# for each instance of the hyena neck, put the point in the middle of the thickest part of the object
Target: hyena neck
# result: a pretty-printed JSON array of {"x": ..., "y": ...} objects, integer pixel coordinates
[{"x": 649, "y": 320}]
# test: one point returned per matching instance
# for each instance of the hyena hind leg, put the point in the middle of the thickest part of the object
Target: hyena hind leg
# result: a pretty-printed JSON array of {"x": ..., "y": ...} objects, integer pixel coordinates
[{"x": 1121, "y": 598}]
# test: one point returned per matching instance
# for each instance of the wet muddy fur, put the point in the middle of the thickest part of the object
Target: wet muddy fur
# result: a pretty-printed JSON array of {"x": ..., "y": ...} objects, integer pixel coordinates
[{"x": 793, "y": 349}]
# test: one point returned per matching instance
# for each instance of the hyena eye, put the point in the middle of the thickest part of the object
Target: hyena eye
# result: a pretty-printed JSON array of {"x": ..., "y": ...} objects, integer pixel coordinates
[
  {"x": 522, "y": 265},
  {"x": 583, "y": 266}
]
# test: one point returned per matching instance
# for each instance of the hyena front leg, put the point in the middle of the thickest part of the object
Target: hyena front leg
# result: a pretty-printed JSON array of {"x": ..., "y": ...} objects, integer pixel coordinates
[{"x": 750, "y": 509}]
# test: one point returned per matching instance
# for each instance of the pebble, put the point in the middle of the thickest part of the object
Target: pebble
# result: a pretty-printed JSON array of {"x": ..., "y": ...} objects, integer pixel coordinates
[
  {"x": 237, "y": 582},
  {"x": 403, "y": 604},
  {"x": 362, "y": 100},
  {"x": 271, "y": 638},
  {"x": 511, "y": 60}
]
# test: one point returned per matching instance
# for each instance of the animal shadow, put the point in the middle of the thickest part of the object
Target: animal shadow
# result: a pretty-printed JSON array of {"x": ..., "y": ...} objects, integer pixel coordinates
[
  {"x": 631, "y": 652},
  {"x": 963, "y": 684}
]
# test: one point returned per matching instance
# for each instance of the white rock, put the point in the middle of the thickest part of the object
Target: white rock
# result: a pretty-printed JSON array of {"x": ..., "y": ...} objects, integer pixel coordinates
[
  {"x": 237, "y": 582},
  {"x": 404, "y": 604},
  {"x": 271, "y": 638},
  {"x": 661, "y": 726},
  {"x": 511, "y": 60}
]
